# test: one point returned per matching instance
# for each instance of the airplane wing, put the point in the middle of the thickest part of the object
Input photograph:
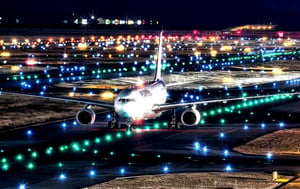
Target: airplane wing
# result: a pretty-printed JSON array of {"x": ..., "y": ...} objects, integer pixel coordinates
[
  {"x": 163, "y": 107},
  {"x": 67, "y": 99}
]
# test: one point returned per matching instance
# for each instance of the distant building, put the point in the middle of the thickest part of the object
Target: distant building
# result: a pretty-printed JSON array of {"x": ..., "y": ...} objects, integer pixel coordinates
[
  {"x": 254, "y": 27},
  {"x": 112, "y": 21}
]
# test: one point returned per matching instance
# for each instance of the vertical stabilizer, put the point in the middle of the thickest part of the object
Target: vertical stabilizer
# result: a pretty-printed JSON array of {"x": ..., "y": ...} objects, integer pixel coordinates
[{"x": 157, "y": 75}]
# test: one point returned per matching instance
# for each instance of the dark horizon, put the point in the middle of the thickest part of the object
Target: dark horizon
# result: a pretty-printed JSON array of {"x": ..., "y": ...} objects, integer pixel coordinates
[{"x": 192, "y": 14}]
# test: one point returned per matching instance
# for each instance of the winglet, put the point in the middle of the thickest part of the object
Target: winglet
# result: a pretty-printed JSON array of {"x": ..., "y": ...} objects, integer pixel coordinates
[{"x": 157, "y": 75}]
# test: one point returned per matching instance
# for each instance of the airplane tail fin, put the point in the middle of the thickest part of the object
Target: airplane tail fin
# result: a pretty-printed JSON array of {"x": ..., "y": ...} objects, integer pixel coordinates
[{"x": 157, "y": 75}]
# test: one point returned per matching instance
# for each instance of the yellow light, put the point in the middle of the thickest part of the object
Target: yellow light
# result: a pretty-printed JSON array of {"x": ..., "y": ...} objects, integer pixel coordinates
[
  {"x": 71, "y": 94},
  {"x": 227, "y": 80},
  {"x": 15, "y": 68},
  {"x": 61, "y": 39},
  {"x": 247, "y": 50},
  {"x": 264, "y": 38},
  {"x": 226, "y": 48},
  {"x": 82, "y": 46},
  {"x": 197, "y": 53},
  {"x": 213, "y": 53},
  {"x": 5, "y": 54},
  {"x": 14, "y": 41},
  {"x": 287, "y": 43},
  {"x": 108, "y": 95},
  {"x": 200, "y": 44},
  {"x": 277, "y": 71},
  {"x": 120, "y": 48}
]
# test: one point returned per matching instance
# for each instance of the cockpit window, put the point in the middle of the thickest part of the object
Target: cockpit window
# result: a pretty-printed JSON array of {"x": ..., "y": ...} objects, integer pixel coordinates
[
  {"x": 145, "y": 93},
  {"x": 124, "y": 100}
]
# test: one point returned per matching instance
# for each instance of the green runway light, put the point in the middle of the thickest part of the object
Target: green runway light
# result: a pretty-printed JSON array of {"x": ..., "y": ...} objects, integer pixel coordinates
[
  {"x": 108, "y": 138},
  {"x": 3, "y": 160},
  {"x": 30, "y": 165},
  {"x": 118, "y": 135},
  {"x": 97, "y": 140},
  {"x": 86, "y": 143},
  {"x": 128, "y": 133},
  {"x": 222, "y": 121},
  {"x": 34, "y": 154},
  {"x": 111, "y": 153},
  {"x": 95, "y": 152},
  {"x": 75, "y": 146},
  {"x": 158, "y": 156},
  {"x": 61, "y": 148},
  {"x": 5, "y": 167},
  {"x": 132, "y": 154},
  {"x": 165, "y": 124},
  {"x": 49, "y": 150},
  {"x": 202, "y": 121},
  {"x": 19, "y": 157},
  {"x": 60, "y": 164}
]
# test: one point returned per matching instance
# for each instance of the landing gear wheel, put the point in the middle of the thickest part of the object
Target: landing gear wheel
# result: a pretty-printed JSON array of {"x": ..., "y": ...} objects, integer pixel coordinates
[
  {"x": 113, "y": 124},
  {"x": 128, "y": 129}
]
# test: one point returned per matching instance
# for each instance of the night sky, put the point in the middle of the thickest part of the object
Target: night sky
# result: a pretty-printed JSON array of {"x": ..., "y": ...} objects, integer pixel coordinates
[{"x": 209, "y": 14}]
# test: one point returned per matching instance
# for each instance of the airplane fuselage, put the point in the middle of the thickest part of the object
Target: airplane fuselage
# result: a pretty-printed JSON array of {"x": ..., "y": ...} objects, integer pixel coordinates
[{"x": 137, "y": 103}]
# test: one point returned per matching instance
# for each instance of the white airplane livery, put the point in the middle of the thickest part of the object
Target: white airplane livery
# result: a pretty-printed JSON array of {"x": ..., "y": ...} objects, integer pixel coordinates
[{"x": 145, "y": 101}]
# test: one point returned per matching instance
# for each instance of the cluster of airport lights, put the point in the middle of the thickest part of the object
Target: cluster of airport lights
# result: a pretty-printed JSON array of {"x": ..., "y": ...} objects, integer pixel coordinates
[
  {"x": 91, "y": 146},
  {"x": 122, "y": 44},
  {"x": 83, "y": 147},
  {"x": 76, "y": 73}
]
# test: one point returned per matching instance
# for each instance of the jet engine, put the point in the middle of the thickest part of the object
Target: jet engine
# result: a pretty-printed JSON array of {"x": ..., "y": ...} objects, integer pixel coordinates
[
  {"x": 190, "y": 117},
  {"x": 86, "y": 116}
]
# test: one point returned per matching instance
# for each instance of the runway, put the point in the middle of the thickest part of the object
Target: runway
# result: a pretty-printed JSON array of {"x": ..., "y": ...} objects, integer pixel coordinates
[
  {"x": 62, "y": 154},
  {"x": 102, "y": 154}
]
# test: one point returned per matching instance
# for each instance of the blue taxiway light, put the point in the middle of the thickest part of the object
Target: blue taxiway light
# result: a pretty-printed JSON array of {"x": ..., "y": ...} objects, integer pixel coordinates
[
  {"x": 122, "y": 171},
  {"x": 92, "y": 173},
  {"x": 226, "y": 152},
  {"x": 22, "y": 186},
  {"x": 228, "y": 168},
  {"x": 222, "y": 135},
  {"x": 269, "y": 155},
  {"x": 165, "y": 169},
  {"x": 29, "y": 132},
  {"x": 62, "y": 177},
  {"x": 197, "y": 146},
  {"x": 281, "y": 124}
]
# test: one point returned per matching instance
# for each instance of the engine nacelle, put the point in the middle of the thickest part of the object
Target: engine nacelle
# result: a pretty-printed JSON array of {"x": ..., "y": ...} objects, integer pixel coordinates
[
  {"x": 85, "y": 116},
  {"x": 190, "y": 117}
]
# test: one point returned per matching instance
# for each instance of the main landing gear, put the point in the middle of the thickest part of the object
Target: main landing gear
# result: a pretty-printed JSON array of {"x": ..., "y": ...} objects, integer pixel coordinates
[
  {"x": 173, "y": 124},
  {"x": 115, "y": 124}
]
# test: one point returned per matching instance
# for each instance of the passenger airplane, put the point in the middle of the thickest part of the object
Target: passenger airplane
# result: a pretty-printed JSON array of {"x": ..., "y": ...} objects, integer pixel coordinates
[{"x": 146, "y": 101}]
